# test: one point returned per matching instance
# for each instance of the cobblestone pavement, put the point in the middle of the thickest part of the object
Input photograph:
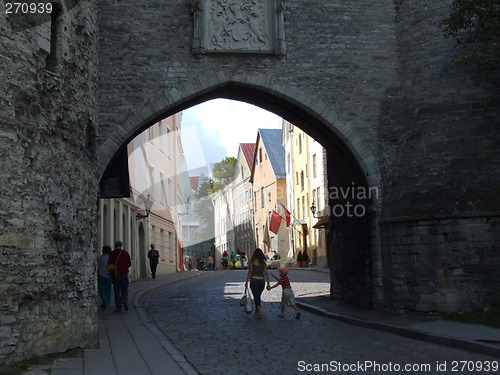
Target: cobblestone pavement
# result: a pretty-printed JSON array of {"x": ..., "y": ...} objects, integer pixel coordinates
[{"x": 203, "y": 319}]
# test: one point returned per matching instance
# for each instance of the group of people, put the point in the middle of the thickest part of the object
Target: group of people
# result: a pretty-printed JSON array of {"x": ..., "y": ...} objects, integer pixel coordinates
[
  {"x": 113, "y": 268},
  {"x": 258, "y": 274}
]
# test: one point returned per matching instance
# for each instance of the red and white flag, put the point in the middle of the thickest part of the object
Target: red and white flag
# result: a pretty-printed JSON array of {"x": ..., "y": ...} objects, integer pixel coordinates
[
  {"x": 288, "y": 216},
  {"x": 275, "y": 222}
]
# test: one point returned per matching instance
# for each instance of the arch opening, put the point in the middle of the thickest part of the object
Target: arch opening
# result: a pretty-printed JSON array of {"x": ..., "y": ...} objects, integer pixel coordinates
[{"x": 350, "y": 196}]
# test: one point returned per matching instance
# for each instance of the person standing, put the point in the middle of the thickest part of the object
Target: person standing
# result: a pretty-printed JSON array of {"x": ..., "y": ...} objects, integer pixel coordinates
[
  {"x": 103, "y": 279},
  {"x": 121, "y": 259},
  {"x": 210, "y": 261},
  {"x": 257, "y": 274},
  {"x": 287, "y": 297},
  {"x": 154, "y": 258}
]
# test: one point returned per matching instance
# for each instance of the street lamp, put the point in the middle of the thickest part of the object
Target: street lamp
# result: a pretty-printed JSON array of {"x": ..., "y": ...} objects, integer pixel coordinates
[{"x": 148, "y": 205}]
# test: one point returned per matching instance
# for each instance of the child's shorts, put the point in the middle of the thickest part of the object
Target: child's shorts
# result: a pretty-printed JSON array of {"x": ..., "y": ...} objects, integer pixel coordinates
[{"x": 287, "y": 297}]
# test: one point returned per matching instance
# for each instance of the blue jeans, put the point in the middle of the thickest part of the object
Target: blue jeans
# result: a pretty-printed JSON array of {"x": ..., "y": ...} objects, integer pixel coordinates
[
  {"x": 120, "y": 285},
  {"x": 257, "y": 287}
]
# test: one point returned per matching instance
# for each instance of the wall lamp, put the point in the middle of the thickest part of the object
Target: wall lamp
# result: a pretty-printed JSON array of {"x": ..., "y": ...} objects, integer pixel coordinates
[
  {"x": 313, "y": 210},
  {"x": 148, "y": 204}
]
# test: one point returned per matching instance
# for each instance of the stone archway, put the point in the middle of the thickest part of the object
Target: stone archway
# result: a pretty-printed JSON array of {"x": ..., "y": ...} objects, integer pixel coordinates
[
  {"x": 376, "y": 79},
  {"x": 352, "y": 245}
]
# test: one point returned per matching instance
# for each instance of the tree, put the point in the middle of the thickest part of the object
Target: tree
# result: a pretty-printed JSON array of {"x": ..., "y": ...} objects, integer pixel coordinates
[
  {"x": 223, "y": 172},
  {"x": 477, "y": 22},
  {"x": 206, "y": 188}
]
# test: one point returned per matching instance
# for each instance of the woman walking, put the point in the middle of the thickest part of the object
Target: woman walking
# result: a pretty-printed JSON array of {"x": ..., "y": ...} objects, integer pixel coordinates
[{"x": 257, "y": 270}]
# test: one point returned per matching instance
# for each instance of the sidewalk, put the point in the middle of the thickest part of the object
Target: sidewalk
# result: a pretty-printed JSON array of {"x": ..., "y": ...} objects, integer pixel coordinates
[
  {"x": 471, "y": 337},
  {"x": 130, "y": 343}
]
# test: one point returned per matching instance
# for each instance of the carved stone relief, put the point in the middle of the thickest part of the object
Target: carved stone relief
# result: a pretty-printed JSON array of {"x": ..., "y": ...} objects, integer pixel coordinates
[{"x": 238, "y": 26}]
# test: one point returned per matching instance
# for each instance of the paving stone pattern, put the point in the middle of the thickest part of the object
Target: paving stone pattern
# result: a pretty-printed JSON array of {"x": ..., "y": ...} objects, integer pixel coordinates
[{"x": 203, "y": 319}]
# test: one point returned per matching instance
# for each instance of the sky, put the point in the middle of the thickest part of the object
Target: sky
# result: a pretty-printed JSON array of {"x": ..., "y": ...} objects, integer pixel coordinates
[{"x": 213, "y": 130}]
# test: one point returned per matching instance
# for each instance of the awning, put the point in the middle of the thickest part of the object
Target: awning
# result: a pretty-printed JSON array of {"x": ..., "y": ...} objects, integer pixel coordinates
[{"x": 323, "y": 222}]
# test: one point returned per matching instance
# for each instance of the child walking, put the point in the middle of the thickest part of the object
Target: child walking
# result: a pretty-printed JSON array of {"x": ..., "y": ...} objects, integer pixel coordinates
[{"x": 287, "y": 297}]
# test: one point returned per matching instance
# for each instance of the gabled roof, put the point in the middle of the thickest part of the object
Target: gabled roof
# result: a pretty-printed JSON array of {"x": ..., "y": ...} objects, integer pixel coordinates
[
  {"x": 194, "y": 183},
  {"x": 271, "y": 139},
  {"x": 248, "y": 149}
]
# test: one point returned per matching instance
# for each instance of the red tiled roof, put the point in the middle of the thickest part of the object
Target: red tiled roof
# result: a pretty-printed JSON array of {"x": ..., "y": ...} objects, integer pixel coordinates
[
  {"x": 248, "y": 150},
  {"x": 194, "y": 183}
]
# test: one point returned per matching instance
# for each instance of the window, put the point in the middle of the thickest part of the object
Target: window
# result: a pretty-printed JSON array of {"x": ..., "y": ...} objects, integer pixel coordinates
[
  {"x": 170, "y": 189},
  {"x": 302, "y": 182},
  {"x": 169, "y": 143},
  {"x": 314, "y": 166},
  {"x": 160, "y": 135},
  {"x": 171, "y": 246},
  {"x": 262, "y": 197},
  {"x": 269, "y": 197},
  {"x": 162, "y": 186},
  {"x": 298, "y": 207},
  {"x": 152, "y": 180},
  {"x": 300, "y": 143},
  {"x": 151, "y": 133},
  {"x": 162, "y": 244}
]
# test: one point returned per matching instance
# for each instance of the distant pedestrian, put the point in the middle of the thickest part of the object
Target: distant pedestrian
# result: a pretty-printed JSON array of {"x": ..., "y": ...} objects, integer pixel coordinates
[
  {"x": 121, "y": 259},
  {"x": 103, "y": 279},
  {"x": 287, "y": 297},
  {"x": 257, "y": 274},
  {"x": 154, "y": 259},
  {"x": 210, "y": 262}
]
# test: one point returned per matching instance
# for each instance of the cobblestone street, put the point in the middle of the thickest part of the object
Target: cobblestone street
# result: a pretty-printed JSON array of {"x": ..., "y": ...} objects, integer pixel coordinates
[{"x": 203, "y": 319}]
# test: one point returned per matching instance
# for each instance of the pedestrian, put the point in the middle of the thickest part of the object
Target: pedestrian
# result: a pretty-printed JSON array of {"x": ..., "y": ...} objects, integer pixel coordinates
[
  {"x": 103, "y": 279},
  {"x": 210, "y": 262},
  {"x": 287, "y": 297},
  {"x": 121, "y": 259},
  {"x": 257, "y": 274},
  {"x": 232, "y": 263},
  {"x": 154, "y": 258}
]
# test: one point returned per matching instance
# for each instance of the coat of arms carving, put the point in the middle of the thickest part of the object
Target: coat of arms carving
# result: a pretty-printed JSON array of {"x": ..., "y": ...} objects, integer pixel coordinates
[{"x": 238, "y": 26}]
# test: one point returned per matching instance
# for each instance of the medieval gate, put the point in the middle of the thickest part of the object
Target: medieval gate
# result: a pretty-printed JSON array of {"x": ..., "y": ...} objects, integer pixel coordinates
[{"x": 374, "y": 82}]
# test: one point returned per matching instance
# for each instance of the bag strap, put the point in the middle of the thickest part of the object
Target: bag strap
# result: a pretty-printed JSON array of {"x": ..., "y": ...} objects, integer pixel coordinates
[{"x": 117, "y": 259}]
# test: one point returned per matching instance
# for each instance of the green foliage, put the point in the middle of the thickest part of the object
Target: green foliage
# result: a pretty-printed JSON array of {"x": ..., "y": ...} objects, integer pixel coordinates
[
  {"x": 206, "y": 188},
  {"x": 223, "y": 172},
  {"x": 477, "y": 23}
]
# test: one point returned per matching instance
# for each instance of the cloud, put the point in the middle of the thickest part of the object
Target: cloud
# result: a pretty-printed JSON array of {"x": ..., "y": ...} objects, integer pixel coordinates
[{"x": 221, "y": 125}]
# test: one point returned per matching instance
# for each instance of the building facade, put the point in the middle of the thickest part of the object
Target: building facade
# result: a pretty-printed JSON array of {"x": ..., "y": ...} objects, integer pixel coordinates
[
  {"x": 307, "y": 194},
  {"x": 154, "y": 162},
  {"x": 269, "y": 192}
]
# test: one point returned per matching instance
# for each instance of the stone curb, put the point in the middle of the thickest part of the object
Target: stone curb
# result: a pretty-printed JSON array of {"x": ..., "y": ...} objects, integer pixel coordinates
[
  {"x": 472, "y": 346},
  {"x": 169, "y": 347}
]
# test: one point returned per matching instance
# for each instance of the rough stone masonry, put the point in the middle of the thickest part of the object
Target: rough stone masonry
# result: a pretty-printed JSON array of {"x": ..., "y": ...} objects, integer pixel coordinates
[{"x": 373, "y": 81}]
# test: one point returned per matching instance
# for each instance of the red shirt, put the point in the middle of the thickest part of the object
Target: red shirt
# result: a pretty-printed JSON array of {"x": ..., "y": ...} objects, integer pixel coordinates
[
  {"x": 284, "y": 282},
  {"x": 123, "y": 262}
]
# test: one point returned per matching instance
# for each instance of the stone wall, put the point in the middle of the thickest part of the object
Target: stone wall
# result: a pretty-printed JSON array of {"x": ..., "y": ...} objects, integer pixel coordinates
[
  {"x": 439, "y": 153},
  {"x": 373, "y": 81},
  {"x": 48, "y": 129}
]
